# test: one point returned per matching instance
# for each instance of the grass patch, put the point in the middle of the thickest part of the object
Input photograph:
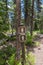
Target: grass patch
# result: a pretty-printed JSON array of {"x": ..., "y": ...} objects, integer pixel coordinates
[
  {"x": 30, "y": 59},
  {"x": 36, "y": 43}
]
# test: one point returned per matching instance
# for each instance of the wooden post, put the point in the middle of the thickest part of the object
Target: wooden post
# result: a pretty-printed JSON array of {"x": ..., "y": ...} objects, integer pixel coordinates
[
  {"x": 23, "y": 53},
  {"x": 22, "y": 38},
  {"x": 21, "y": 33}
]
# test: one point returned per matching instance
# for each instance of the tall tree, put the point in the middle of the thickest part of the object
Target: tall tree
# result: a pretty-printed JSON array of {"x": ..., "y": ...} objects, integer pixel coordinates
[
  {"x": 32, "y": 16},
  {"x": 38, "y": 3},
  {"x": 27, "y": 12},
  {"x": 18, "y": 19}
]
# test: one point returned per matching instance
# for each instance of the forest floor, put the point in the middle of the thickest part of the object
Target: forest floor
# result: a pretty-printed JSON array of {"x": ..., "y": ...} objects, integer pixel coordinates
[{"x": 38, "y": 52}]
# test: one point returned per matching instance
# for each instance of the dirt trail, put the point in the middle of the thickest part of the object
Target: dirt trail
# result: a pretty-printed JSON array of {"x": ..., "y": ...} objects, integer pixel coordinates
[{"x": 38, "y": 52}]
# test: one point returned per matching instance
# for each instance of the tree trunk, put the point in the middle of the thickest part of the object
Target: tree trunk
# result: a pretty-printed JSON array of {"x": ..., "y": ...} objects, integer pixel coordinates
[
  {"x": 18, "y": 19},
  {"x": 26, "y": 15},
  {"x": 32, "y": 16}
]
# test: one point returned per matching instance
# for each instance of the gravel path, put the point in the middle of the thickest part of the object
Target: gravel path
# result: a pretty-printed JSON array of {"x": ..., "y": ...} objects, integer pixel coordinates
[{"x": 38, "y": 53}]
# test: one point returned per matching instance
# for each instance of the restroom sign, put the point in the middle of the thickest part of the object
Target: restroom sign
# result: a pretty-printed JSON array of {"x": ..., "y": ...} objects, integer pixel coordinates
[
  {"x": 22, "y": 31},
  {"x": 22, "y": 38}
]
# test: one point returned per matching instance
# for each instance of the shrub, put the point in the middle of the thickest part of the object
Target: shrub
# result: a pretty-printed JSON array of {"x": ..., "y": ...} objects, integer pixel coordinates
[
  {"x": 36, "y": 26},
  {"x": 41, "y": 31},
  {"x": 12, "y": 38},
  {"x": 5, "y": 53},
  {"x": 29, "y": 39},
  {"x": 13, "y": 61},
  {"x": 30, "y": 59},
  {"x": 2, "y": 36}
]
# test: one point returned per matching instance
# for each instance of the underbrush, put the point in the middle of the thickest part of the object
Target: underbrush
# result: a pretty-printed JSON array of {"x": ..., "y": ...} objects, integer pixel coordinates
[
  {"x": 2, "y": 36},
  {"x": 29, "y": 60},
  {"x": 6, "y": 51},
  {"x": 12, "y": 38},
  {"x": 29, "y": 39},
  {"x": 41, "y": 31}
]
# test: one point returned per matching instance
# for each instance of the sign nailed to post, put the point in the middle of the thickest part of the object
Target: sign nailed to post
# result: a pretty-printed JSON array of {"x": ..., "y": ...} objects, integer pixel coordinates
[
  {"x": 22, "y": 38},
  {"x": 21, "y": 32},
  {"x": 22, "y": 29}
]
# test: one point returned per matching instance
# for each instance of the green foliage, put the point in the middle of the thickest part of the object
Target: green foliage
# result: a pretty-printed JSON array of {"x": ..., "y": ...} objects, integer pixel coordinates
[
  {"x": 41, "y": 31},
  {"x": 4, "y": 26},
  {"x": 36, "y": 26},
  {"x": 12, "y": 38},
  {"x": 29, "y": 39},
  {"x": 30, "y": 59},
  {"x": 13, "y": 61},
  {"x": 2, "y": 61},
  {"x": 5, "y": 53},
  {"x": 2, "y": 36}
]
